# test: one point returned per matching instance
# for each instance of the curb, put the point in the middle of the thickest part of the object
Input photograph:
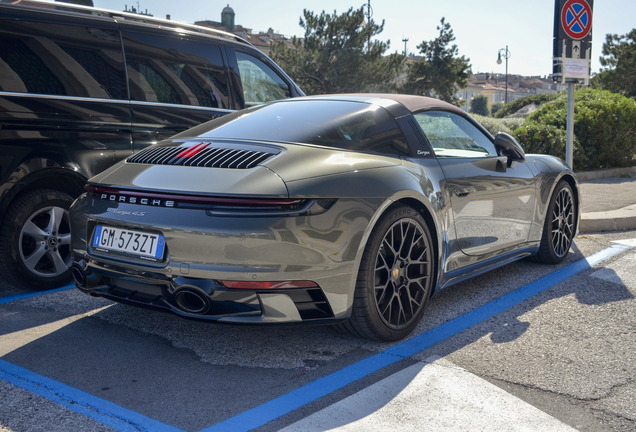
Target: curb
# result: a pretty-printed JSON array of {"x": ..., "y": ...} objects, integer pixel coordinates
[
  {"x": 621, "y": 219},
  {"x": 612, "y": 172}
]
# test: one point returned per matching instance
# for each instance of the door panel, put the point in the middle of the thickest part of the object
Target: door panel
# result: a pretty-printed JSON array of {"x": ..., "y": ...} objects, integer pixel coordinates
[
  {"x": 63, "y": 98},
  {"x": 492, "y": 209},
  {"x": 175, "y": 83},
  {"x": 493, "y": 203}
]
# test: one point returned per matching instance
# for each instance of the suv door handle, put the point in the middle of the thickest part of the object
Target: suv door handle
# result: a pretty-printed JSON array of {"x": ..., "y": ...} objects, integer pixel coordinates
[{"x": 463, "y": 191}]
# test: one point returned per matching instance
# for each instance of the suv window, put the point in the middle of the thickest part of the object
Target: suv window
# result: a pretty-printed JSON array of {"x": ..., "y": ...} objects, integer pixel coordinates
[
  {"x": 260, "y": 83},
  {"x": 59, "y": 59},
  {"x": 451, "y": 135},
  {"x": 176, "y": 71}
]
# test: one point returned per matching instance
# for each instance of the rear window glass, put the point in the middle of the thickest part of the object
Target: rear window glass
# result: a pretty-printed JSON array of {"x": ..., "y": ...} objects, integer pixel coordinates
[{"x": 338, "y": 124}]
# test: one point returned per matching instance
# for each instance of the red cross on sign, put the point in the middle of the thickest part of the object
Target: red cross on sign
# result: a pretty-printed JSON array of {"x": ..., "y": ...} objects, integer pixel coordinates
[{"x": 576, "y": 18}]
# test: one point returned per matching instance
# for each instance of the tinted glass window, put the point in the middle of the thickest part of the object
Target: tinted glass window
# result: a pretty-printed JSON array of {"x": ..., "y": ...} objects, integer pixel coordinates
[
  {"x": 59, "y": 59},
  {"x": 176, "y": 71},
  {"x": 452, "y": 135},
  {"x": 260, "y": 83},
  {"x": 345, "y": 125}
]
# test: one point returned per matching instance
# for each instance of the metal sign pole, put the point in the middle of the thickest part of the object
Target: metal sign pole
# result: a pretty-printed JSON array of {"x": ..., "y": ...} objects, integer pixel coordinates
[
  {"x": 569, "y": 143},
  {"x": 572, "y": 45}
]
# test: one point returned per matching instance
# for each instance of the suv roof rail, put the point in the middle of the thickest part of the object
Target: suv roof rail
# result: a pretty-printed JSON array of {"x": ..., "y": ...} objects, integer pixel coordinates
[{"x": 69, "y": 7}]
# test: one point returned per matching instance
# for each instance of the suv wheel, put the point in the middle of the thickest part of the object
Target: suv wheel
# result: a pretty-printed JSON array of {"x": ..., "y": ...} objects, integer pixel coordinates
[{"x": 35, "y": 240}]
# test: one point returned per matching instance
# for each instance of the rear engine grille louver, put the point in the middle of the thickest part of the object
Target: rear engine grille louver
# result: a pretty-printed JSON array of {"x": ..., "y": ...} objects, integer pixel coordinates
[{"x": 210, "y": 157}]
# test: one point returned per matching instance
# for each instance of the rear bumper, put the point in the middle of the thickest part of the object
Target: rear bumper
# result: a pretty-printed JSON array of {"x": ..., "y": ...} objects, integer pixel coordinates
[
  {"x": 200, "y": 298},
  {"x": 202, "y": 250}
]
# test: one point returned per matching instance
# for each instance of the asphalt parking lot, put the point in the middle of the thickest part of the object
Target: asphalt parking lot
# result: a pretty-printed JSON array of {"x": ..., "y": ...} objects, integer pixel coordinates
[{"x": 525, "y": 347}]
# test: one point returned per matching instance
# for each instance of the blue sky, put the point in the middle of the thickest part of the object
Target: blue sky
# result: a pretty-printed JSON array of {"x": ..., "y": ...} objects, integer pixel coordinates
[{"x": 481, "y": 27}]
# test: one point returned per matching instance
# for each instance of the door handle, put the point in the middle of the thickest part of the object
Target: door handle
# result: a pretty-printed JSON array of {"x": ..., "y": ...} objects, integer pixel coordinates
[{"x": 463, "y": 191}]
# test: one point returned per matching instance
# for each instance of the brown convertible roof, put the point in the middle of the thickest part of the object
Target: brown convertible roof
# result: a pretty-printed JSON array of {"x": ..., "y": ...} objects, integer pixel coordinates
[{"x": 411, "y": 102}]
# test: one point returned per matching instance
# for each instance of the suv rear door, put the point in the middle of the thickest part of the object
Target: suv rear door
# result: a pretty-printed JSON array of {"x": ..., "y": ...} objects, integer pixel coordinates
[
  {"x": 63, "y": 91},
  {"x": 177, "y": 81}
]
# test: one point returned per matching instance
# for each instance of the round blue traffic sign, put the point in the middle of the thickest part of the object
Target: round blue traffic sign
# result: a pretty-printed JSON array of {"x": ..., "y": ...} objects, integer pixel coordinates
[{"x": 576, "y": 18}]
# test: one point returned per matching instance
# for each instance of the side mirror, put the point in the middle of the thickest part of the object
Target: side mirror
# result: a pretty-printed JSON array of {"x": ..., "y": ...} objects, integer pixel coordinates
[{"x": 508, "y": 146}]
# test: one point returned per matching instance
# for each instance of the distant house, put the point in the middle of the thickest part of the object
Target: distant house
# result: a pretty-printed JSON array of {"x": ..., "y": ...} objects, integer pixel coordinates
[
  {"x": 261, "y": 40},
  {"x": 493, "y": 86}
]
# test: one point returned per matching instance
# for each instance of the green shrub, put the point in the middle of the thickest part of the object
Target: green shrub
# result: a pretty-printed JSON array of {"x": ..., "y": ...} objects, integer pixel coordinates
[
  {"x": 494, "y": 125},
  {"x": 496, "y": 107},
  {"x": 516, "y": 105},
  {"x": 541, "y": 138},
  {"x": 479, "y": 105},
  {"x": 604, "y": 130}
]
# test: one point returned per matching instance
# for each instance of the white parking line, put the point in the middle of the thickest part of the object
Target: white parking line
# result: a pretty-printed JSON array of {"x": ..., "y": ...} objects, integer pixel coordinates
[
  {"x": 627, "y": 242},
  {"x": 431, "y": 396}
]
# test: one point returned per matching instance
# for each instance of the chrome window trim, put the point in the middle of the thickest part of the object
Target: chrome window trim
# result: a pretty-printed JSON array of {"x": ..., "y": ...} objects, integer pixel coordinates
[
  {"x": 87, "y": 99},
  {"x": 46, "y": 96},
  {"x": 160, "y": 104}
]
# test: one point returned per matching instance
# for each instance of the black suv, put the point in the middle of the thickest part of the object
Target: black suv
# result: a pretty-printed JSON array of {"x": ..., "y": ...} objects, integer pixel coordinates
[{"x": 82, "y": 88}]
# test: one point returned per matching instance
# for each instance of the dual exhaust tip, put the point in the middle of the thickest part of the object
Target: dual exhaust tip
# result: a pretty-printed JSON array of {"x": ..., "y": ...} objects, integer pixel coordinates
[
  {"x": 187, "y": 299},
  {"x": 78, "y": 275},
  {"x": 191, "y": 300}
]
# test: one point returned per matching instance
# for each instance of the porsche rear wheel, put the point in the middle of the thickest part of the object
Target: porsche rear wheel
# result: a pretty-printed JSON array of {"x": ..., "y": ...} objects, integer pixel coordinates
[
  {"x": 395, "y": 277},
  {"x": 559, "y": 227}
]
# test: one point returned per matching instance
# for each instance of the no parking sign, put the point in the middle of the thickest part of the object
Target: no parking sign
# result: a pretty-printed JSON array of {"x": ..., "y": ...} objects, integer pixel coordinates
[
  {"x": 572, "y": 49},
  {"x": 576, "y": 19}
]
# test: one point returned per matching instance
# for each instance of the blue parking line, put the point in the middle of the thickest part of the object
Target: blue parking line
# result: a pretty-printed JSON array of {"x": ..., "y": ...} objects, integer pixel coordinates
[
  {"x": 287, "y": 403},
  {"x": 100, "y": 410},
  {"x": 121, "y": 419},
  {"x": 15, "y": 297}
]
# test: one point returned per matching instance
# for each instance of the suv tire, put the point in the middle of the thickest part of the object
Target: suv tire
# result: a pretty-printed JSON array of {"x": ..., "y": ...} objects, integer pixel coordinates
[{"x": 35, "y": 240}]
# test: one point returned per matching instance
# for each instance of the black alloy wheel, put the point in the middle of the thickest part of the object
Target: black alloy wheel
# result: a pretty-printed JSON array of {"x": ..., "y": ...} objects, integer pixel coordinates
[
  {"x": 395, "y": 278},
  {"x": 563, "y": 223},
  {"x": 402, "y": 269},
  {"x": 559, "y": 227}
]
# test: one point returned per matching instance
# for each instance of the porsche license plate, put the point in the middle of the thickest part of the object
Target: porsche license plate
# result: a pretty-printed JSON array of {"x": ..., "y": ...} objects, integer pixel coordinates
[{"x": 138, "y": 243}]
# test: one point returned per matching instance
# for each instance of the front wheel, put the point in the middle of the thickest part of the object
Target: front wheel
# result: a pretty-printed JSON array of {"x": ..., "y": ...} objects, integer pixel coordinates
[
  {"x": 35, "y": 240},
  {"x": 559, "y": 227},
  {"x": 395, "y": 277}
]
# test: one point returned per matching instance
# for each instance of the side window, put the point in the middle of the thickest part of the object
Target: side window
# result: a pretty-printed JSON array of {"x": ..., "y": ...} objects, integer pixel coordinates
[
  {"x": 451, "y": 135},
  {"x": 58, "y": 59},
  {"x": 176, "y": 71},
  {"x": 260, "y": 83}
]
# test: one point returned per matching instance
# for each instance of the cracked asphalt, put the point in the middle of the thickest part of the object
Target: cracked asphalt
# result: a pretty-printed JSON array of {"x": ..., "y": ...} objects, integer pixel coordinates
[{"x": 568, "y": 351}]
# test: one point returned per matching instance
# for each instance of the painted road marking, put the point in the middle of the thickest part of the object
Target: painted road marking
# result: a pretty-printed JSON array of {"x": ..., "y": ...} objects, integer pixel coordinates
[
  {"x": 436, "y": 395},
  {"x": 122, "y": 419},
  {"x": 12, "y": 298},
  {"x": 627, "y": 242},
  {"x": 100, "y": 410},
  {"x": 13, "y": 341},
  {"x": 287, "y": 403}
]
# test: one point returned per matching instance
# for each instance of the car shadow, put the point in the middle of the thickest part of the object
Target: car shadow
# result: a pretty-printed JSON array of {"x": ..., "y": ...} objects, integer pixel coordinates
[{"x": 282, "y": 358}]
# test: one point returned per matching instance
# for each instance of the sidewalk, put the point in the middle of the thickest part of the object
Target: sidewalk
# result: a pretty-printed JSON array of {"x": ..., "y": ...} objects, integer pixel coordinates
[{"x": 609, "y": 204}]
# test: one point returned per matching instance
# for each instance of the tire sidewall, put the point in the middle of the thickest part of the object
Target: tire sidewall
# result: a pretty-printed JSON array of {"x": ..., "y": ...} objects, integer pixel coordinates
[
  {"x": 15, "y": 219},
  {"x": 382, "y": 331},
  {"x": 548, "y": 221}
]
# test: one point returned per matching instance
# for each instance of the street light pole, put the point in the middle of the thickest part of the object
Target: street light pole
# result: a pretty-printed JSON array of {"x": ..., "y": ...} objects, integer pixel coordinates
[{"x": 506, "y": 56}]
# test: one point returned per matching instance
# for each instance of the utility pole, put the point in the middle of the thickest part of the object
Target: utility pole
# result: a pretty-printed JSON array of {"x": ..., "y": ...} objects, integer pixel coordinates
[{"x": 405, "y": 40}]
